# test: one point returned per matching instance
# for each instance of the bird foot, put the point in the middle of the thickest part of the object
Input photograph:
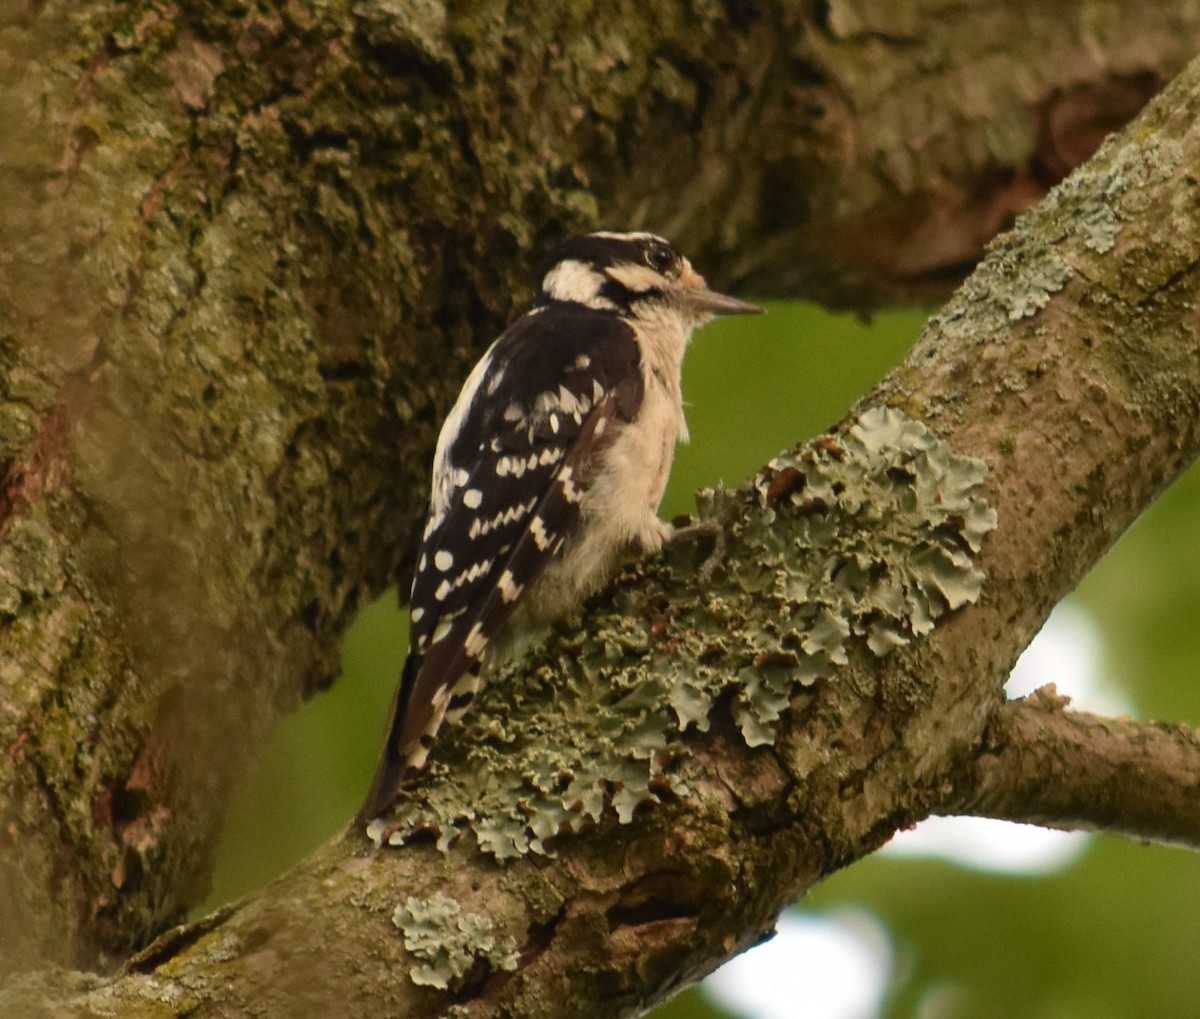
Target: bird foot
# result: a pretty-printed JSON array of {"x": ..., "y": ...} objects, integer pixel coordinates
[{"x": 699, "y": 529}]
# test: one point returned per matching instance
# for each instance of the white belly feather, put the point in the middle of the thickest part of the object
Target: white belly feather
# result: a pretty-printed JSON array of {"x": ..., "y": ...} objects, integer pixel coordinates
[{"x": 619, "y": 512}]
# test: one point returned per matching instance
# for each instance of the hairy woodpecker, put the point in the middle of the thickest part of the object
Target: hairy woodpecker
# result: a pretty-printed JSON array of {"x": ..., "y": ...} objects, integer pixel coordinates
[{"x": 548, "y": 471}]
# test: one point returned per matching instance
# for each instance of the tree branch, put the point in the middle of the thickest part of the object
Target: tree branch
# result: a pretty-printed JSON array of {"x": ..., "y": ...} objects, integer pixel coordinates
[{"x": 1042, "y": 764}]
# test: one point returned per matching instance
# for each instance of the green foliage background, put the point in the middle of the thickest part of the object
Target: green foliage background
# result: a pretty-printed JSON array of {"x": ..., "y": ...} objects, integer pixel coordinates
[{"x": 1116, "y": 934}]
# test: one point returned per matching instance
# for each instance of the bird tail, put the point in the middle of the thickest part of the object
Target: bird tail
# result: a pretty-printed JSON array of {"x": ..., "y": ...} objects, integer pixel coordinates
[{"x": 394, "y": 765}]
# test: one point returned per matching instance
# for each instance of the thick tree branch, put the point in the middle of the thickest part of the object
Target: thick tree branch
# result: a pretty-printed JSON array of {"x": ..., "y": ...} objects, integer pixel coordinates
[
  {"x": 1042, "y": 764},
  {"x": 1070, "y": 363}
]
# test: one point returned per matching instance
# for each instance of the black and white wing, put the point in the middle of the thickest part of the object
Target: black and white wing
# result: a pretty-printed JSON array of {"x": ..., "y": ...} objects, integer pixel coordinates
[{"x": 515, "y": 457}]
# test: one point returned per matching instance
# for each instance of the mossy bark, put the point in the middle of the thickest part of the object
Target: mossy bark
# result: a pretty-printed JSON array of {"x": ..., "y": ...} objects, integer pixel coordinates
[{"x": 247, "y": 254}]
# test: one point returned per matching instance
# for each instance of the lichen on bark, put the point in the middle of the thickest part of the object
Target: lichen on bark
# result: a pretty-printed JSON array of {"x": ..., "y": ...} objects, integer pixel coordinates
[{"x": 866, "y": 537}]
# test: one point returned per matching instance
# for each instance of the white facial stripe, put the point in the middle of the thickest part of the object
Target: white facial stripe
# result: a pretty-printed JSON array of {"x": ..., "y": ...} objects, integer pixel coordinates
[
  {"x": 635, "y": 278},
  {"x": 637, "y": 236},
  {"x": 575, "y": 281}
]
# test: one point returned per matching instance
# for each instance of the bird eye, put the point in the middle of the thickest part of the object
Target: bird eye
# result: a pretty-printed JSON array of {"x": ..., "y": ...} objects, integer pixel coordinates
[{"x": 661, "y": 258}]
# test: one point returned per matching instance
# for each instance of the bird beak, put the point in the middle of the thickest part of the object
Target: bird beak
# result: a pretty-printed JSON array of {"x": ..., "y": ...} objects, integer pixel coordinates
[{"x": 693, "y": 292}]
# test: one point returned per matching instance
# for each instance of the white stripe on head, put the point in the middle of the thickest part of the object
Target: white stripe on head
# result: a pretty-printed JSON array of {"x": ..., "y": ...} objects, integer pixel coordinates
[
  {"x": 633, "y": 236},
  {"x": 637, "y": 279},
  {"x": 572, "y": 280}
]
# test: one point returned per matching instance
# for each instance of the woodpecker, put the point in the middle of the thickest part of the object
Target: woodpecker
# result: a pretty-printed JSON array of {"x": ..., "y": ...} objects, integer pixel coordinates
[{"x": 548, "y": 472}]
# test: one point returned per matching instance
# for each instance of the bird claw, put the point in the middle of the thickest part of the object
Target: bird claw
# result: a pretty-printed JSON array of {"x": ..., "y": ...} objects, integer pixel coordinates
[{"x": 712, "y": 530}]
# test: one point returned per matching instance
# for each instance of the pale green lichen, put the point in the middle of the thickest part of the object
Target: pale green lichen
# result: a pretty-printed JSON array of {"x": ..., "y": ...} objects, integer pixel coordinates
[
  {"x": 450, "y": 943},
  {"x": 883, "y": 524},
  {"x": 863, "y": 539},
  {"x": 1037, "y": 284},
  {"x": 1099, "y": 226}
]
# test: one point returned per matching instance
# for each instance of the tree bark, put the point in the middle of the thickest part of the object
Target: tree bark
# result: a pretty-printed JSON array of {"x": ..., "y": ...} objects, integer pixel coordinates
[
  {"x": 1043, "y": 764},
  {"x": 248, "y": 256}
]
